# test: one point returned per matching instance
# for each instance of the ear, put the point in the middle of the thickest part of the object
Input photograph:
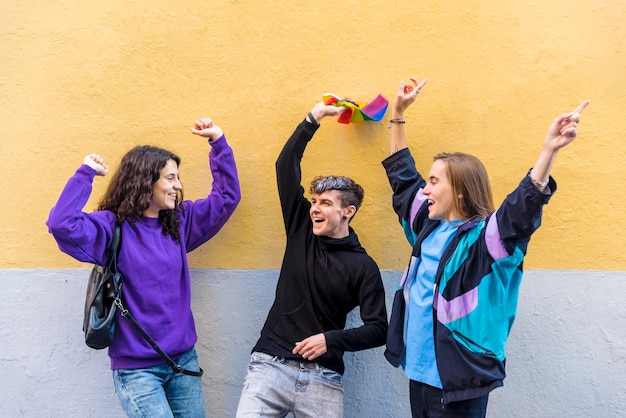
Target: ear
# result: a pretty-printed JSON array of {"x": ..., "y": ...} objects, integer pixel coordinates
[
  {"x": 460, "y": 196},
  {"x": 349, "y": 212}
]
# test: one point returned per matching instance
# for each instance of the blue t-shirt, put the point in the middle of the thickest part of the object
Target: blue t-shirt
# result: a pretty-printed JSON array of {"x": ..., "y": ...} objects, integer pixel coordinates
[{"x": 419, "y": 362}]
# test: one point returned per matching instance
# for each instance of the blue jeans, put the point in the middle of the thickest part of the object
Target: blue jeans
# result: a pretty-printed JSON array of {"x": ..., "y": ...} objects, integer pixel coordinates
[
  {"x": 275, "y": 386},
  {"x": 427, "y": 402},
  {"x": 159, "y": 392}
]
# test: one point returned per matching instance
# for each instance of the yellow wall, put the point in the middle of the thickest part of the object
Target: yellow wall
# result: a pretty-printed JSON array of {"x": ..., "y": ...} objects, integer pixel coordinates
[{"x": 81, "y": 76}]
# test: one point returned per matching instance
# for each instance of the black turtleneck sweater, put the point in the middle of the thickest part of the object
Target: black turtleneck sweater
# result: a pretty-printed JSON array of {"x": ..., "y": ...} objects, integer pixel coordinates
[{"x": 321, "y": 279}]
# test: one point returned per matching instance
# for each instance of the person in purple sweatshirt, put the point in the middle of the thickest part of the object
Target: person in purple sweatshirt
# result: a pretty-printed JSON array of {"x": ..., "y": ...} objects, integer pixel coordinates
[{"x": 159, "y": 228}]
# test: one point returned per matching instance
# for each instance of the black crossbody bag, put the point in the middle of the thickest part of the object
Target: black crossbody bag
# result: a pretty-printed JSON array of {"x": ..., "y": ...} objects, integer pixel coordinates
[{"x": 104, "y": 300}]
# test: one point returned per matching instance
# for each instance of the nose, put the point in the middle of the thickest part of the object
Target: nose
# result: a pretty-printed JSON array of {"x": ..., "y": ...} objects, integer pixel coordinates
[
  {"x": 178, "y": 185},
  {"x": 426, "y": 189}
]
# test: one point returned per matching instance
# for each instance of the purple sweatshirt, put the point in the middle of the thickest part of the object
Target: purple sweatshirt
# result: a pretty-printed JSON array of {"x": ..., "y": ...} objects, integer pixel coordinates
[{"x": 156, "y": 283}]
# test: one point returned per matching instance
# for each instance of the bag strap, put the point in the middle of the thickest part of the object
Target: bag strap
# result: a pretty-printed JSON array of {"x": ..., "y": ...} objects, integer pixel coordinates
[
  {"x": 112, "y": 264},
  {"x": 113, "y": 248},
  {"x": 175, "y": 367}
]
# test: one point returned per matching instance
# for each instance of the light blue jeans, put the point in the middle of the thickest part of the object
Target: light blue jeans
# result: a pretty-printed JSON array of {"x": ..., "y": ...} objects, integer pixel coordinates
[
  {"x": 159, "y": 392},
  {"x": 274, "y": 387}
]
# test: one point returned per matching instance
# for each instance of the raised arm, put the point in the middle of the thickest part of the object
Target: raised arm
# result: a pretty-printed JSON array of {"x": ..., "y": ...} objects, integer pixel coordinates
[
  {"x": 203, "y": 218},
  {"x": 561, "y": 133},
  {"x": 84, "y": 236},
  {"x": 288, "y": 170},
  {"x": 405, "y": 96}
]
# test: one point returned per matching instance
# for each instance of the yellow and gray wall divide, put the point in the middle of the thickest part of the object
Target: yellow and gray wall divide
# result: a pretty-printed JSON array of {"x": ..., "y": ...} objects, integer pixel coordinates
[{"x": 84, "y": 77}]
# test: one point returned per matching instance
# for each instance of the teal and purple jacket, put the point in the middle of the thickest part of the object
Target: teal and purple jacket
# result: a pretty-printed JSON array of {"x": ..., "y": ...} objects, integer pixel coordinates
[{"x": 477, "y": 282}]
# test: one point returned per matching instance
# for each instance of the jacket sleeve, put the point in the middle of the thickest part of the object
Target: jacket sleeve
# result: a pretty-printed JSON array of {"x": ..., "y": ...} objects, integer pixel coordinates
[
  {"x": 289, "y": 176},
  {"x": 519, "y": 216},
  {"x": 204, "y": 218},
  {"x": 407, "y": 185},
  {"x": 373, "y": 332},
  {"x": 84, "y": 236}
]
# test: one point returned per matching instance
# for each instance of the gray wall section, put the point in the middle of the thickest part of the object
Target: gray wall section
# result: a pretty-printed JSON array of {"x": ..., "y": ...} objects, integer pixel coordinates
[{"x": 566, "y": 354}]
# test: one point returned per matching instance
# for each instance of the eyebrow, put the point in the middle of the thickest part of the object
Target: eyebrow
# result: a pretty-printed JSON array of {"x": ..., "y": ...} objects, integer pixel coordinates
[{"x": 323, "y": 200}]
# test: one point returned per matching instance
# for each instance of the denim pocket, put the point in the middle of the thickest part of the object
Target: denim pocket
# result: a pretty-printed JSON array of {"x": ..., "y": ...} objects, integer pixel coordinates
[{"x": 331, "y": 377}]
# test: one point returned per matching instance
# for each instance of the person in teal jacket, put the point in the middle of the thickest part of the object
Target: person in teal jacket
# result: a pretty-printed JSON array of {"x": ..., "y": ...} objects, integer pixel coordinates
[{"x": 454, "y": 309}]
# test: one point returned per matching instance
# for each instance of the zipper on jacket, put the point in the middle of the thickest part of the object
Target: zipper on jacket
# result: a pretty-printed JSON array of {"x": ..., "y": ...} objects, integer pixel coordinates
[{"x": 472, "y": 343}]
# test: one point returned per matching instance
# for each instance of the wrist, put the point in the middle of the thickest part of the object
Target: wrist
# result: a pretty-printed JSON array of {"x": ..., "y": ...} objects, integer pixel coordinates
[
  {"x": 396, "y": 122},
  {"x": 214, "y": 137},
  {"x": 397, "y": 112},
  {"x": 540, "y": 182},
  {"x": 315, "y": 116}
]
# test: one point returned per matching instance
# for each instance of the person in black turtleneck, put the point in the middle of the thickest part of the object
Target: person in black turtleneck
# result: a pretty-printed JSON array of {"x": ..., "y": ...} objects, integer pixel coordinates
[{"x": 297, "y": 363}]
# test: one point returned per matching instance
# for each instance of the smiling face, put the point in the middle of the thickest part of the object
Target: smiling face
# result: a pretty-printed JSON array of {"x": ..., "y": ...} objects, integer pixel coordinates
[
  {"x": 164, "y": 190},
  {"x": 329, "y": 218},
  {"x": 439, "y": 193}
]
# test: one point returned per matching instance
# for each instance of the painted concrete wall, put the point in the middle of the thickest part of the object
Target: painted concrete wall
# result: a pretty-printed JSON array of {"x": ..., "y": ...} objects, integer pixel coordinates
[
  {"x": 566, "y": 354},
  {"x": 80, "y": 76}
]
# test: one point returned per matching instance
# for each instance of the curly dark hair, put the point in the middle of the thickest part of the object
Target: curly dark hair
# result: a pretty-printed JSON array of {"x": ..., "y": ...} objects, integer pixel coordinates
[{"x": 130, "y": 190}]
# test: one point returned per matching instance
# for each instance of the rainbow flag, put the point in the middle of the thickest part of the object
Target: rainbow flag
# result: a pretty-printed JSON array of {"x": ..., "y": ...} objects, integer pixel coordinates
[{"x": 358, "y": 111}]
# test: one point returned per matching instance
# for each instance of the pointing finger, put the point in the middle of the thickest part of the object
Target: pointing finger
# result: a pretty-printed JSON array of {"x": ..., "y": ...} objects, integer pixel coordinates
[{"x": 581, "y": 107}]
